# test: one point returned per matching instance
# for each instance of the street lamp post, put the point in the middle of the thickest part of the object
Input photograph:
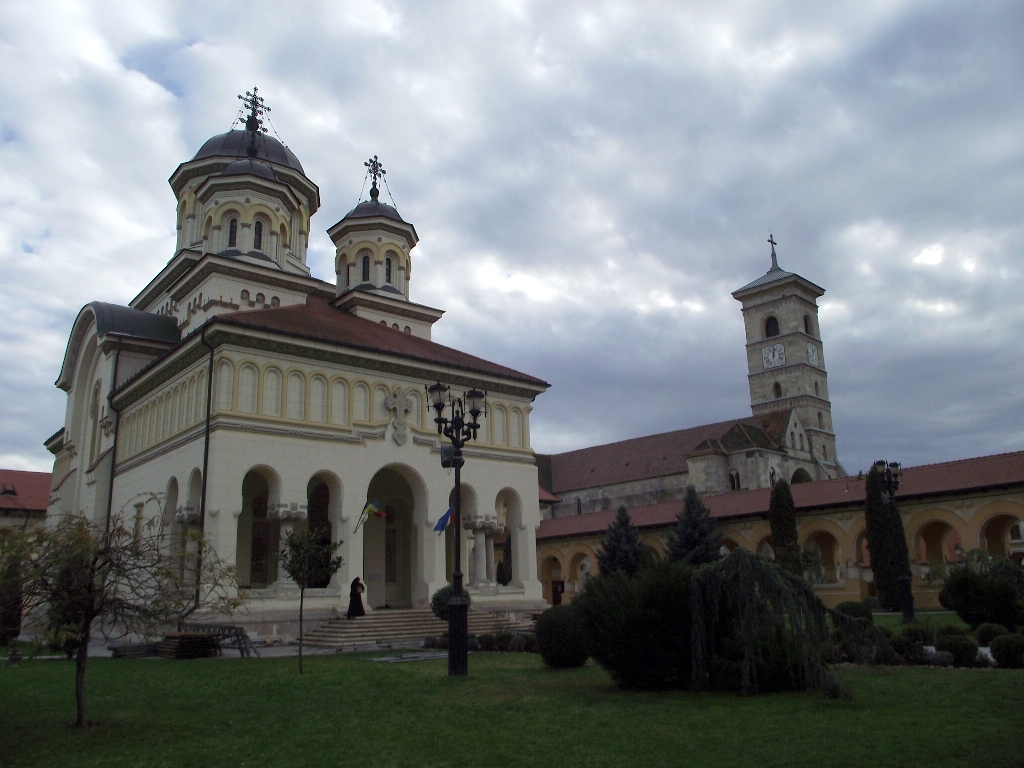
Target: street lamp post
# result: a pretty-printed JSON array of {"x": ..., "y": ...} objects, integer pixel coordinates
[
  {"x": 459, "y": 430},
  {"x": 891, "y": 475}
]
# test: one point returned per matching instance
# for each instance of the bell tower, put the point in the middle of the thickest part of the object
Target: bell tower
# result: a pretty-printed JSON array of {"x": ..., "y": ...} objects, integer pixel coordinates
[{"x": 786, "y": 360}]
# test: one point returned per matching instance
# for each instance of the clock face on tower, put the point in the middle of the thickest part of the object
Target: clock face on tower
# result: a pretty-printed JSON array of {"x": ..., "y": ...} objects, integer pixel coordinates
[
  {"x": 812, "y": 354},
  {"x": 773, "y": 356}
]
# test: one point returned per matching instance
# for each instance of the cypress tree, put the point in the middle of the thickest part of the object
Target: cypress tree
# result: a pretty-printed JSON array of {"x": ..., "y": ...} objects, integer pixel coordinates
[
  {"x": 621, "y": 549},
  {"x": 694, "y": 540},
  {"x": 782, "y": 519},
  {"x": 887, "y": 545}
]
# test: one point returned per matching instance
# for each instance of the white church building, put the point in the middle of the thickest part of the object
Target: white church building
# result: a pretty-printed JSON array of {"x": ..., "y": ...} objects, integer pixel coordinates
[{"x": 254, "y": 398}]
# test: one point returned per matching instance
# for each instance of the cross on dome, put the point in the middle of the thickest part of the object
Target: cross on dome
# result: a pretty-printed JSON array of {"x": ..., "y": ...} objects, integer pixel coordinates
[
  {"x": 254, "y": 122},
  {"x": 376, "y": 171}
]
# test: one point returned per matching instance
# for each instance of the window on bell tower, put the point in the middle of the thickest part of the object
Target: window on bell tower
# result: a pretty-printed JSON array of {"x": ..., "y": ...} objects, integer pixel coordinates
[
  {"x": 257, "y": 236},
  {"x": 387, "y": 270},
  {"x": 771, "y": 327},
  {"x": 366, "y": 269},
  {"x": 807, "y": 325},
  {"x": 777, "y": 390},
  {"x": 232, "y": 233}
]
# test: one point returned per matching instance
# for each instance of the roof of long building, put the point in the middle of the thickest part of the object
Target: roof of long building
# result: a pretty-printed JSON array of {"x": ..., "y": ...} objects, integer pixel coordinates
[
  {"x": 23, "y": 491},
  {"x": 980, "y": 473},
  {"x": 640, "y": 458}
]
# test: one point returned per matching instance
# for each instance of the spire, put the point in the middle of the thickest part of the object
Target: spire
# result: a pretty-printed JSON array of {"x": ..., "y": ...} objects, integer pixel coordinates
[
  {"x": 376, "y": 171},
  {"x": 775, "y": 260},
  {"x": 254, "y": 122}
]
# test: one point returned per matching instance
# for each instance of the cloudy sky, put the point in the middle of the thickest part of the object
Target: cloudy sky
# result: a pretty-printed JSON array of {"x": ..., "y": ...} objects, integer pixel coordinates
[{"x": 590, "y": 181}]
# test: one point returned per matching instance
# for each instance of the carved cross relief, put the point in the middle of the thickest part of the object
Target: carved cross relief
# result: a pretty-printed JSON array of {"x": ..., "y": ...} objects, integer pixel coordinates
[{"x": 400, "y": 405}]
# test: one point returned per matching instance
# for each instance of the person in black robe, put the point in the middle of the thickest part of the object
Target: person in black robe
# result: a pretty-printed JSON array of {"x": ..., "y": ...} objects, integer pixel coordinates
[{"x": 355, "y": 599}]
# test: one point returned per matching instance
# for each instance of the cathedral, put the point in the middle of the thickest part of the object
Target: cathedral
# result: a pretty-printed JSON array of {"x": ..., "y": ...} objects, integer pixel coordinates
[{"x": 252, "y": 399}]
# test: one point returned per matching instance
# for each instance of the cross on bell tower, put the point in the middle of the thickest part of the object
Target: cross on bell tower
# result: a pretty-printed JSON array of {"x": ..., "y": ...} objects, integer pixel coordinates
[
  {"x": 254, "y": 122},
  {"x": 376, "y": 171}
]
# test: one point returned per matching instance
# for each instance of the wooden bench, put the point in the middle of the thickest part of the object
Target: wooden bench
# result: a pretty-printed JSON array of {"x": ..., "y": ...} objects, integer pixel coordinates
[{"x": 228, "y": 636}]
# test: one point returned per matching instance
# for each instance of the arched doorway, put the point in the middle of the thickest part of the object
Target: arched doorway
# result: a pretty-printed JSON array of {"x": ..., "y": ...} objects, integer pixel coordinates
[
  {"x": 389, "y": 546},
  {"x": 508, "y": 509},
  {"x": 551, "y": 578},
  {"x": 1002, "y": 536},
  {"x": 258, "y": 537},
  {"x": 937, "y": 543},
  {"x": 823, "y": 551},
  {"x": 800, "y": 476},
  {"x": 318, "y": 496},
  {"x": 764, "y": 548}
]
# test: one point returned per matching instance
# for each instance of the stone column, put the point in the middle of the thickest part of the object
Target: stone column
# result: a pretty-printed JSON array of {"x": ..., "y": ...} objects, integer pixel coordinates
[
  {"x": 491, "y": 575},
  {"x": 480, "y": 554}
]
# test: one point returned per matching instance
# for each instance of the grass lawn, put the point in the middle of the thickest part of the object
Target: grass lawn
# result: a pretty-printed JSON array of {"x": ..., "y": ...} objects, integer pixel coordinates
[
  {"x": 936, "y": 619},
  {"x": 511, "y": 711}
]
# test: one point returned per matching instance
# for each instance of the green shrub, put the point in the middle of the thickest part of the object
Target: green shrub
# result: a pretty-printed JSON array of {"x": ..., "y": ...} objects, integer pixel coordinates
[
  {"x": 502, "y": 640},
  {"x": 856, "y": 610},
  {"x": 910, "y": 651},
  {"x": 981, "y": 594},
  {"x": 950, "y": 630},
  {"x": 963, "y": 648},
  {"x": 439, "y": 601},
  {"x": 1008, "y": 651},
  {"x": 919, "y": 634},
  {"x": 518, "y": 644},
  {"x": 886, "y": 632},
  {"x": 638, "y": 629},
  {"x": 561, "y": 637},
  {"x": 486, "y": 642},
  {"x": 986, "y": 633}
]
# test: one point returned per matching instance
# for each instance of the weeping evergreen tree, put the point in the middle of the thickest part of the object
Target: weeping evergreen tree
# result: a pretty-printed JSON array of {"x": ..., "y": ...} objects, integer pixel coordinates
[
  {"x": 621, "y": 549},
  {"x": 694, "y": 540},
  {"x": 782, "y": 518},
  {"x": 887, "y": 545}
]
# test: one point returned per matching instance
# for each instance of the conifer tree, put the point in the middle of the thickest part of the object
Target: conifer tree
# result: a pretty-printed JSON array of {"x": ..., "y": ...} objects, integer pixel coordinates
[
  {"x": 694, "y": 540},
  {"x": 782, "y": 518},
  {"x": 887, "y": 545},
  {"x": 621, "y": 549}
]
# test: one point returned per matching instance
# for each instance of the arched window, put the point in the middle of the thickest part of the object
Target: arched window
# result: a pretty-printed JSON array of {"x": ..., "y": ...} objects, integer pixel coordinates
[
  {"x": 260, "y": 298},
  {"x": 284, "y": 237},
  {"x": 824, "y": 452},
  {"x": 233, "y": 233},
  {"x": 777, "y": 389},
  {"x": 247, "y": 389},
  {"x": 275, "y": 301},
  {"x": 366, "y": 269},
  {"x": 257, "y": 236},
  {"x": 771, "y": 327},
  {"x": 801, "y": 442},
  {"x": 821, "y": 421},
  {"x": 272, "y": 393},
  {"x": 295, "y": 400},
  {"x": 407, "y": 329},
  {"x": 807, "y": 324},
  {"x": 387, "y": 270},
  {"x": 792, "y": 440},
  {"x": 245, "y": 295},
  {"x": 318, "y": 399},
  {"x": 734, "y": 480},
  {"x": 816, "y": 391}
]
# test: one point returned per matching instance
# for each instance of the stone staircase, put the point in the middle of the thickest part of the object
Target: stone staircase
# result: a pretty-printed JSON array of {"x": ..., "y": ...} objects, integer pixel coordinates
[{"x": 401, "y": 626}]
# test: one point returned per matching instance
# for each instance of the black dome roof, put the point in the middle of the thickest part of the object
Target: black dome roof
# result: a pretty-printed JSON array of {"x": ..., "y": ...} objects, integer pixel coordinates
[
  {"x": 251, "y": 168},
  {"x": 372, "y": 208},
  {"x": 235, "y": 144}
]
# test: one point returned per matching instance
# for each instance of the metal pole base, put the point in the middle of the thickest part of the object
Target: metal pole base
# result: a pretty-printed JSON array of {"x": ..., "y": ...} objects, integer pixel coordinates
[{"x": 458, "y": 653}]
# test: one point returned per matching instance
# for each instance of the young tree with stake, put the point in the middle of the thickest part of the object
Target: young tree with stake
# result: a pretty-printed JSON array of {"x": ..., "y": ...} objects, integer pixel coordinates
[{"x": 308, "y": 558}]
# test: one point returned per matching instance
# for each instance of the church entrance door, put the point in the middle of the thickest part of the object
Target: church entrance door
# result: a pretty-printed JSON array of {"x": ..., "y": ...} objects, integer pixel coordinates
[{"x": 389, "y": 542}]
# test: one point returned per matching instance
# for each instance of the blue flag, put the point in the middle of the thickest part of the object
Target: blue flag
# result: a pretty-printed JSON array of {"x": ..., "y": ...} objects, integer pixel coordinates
[{"x": 443, "y": 521}]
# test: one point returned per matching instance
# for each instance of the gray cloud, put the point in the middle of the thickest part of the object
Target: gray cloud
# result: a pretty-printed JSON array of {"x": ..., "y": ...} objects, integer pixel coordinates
[{"x": 590, "y": 181}]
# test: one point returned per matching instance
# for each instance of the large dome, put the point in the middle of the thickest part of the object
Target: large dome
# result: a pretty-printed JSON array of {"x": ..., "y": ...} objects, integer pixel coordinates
[{"x": 234, "y": 144}]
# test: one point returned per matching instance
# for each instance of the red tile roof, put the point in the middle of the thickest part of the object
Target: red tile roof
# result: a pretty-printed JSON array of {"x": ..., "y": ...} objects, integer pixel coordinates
[
  {"x": 651, "y": 456},
  {"x": 318, "y": 321},
  {"x": 983, "y": 472},
  {"x": 24, "y": 491},
  {"x": 546, "y": 497}
]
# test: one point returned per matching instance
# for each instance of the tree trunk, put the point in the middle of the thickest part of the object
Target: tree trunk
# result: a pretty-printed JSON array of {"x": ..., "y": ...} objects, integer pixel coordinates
[
  {"x": 302, "y": 596},
  {"x": 80, "y": 659}
]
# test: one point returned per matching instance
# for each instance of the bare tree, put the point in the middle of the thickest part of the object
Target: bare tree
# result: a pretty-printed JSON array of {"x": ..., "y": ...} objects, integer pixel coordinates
[{"x": 120, "y": 579}]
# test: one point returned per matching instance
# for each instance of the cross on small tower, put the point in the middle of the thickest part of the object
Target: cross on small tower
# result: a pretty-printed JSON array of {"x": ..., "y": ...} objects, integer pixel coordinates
[
  {"x": 376, "y": 171},
  {"x": 254, "y": 122},
  {"x": 775, "y": 261}
]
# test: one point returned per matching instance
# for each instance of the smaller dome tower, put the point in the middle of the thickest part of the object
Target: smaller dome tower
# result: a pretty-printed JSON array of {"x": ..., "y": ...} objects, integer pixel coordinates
[
  {"x": 246, "y": 196},
  {"x": 374, "y": 266}
]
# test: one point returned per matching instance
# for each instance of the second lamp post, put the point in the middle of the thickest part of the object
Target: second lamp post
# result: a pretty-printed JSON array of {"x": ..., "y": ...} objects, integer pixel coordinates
[{"x": 460, "y": 430}]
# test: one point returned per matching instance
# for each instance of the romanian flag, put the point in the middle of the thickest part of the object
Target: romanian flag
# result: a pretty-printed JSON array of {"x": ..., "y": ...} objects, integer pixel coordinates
[
  {"x": 443, "y": 521},
  {"x": 382, "y": 513},
  {"x": 372, "y": 507}
]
